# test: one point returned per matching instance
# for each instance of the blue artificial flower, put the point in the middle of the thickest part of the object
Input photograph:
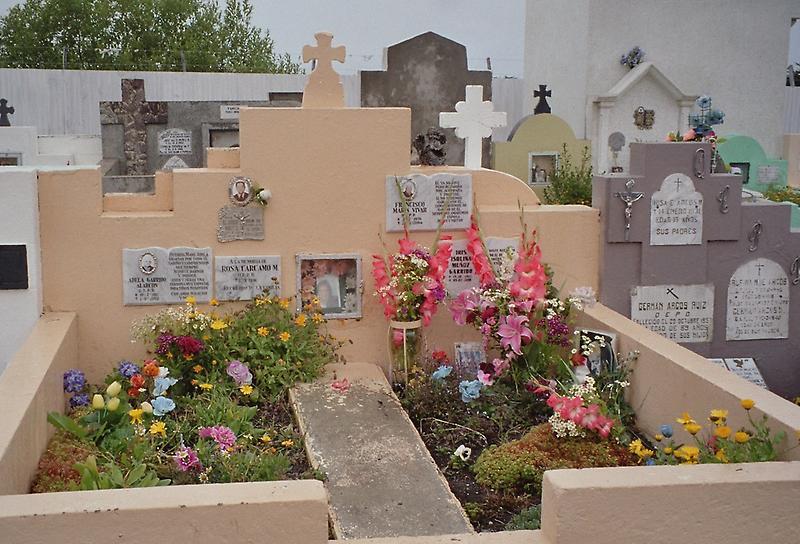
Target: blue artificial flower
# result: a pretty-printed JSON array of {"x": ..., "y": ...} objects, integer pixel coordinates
[
  {"x": 470, "y": 390},
  {"x": 162, "y": 406},
  {"x": 162, "y": 384},
  {"x": 704, "y": 102},
  {"x": 78, "y": 399},
  {"x": 127, "y": 369},
  {"x": 715, "y": 117},
  {"x": 666, "y": 430},
  {"x": 74, "y": 380},
  {"x": 695, "y": 120},
  {"x": 650, "y": 462},
  {"x": 442, "y": 372}
]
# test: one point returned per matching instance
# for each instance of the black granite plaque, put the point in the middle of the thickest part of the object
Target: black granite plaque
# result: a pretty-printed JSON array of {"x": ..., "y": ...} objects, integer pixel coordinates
[{"x": 13, "y": 267}]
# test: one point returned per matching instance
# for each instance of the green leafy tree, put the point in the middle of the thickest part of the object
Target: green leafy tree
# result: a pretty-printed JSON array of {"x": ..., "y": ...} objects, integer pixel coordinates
[{"x": 164, "y": 35}]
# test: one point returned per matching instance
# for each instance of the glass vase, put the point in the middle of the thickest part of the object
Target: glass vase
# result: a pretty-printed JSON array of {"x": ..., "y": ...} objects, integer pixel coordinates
[{"x": 405, "y": 348}]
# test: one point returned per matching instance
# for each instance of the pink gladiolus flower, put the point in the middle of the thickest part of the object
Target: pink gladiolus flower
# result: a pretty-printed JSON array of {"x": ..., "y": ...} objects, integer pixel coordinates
[
  {"x": 480, "y": 261},
  {"x": 512, "y": 330},
  {"x": 530, "y": 280},
  {"x": 418, "y": 288},
  {"x": 406, "y": 245},
  {"x": 605, "y": 428}
]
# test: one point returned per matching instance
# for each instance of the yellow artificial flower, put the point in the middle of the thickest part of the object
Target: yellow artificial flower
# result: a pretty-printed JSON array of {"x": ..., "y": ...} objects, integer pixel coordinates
[
  {"x": 218, "y": 325},
  {"x": 197, "y": 369},
  {"x": 315, "y": 301},
  {"x": 284, "y": 302},
  {"x": 747, "y": 404},
  {"x": 317, "y": 318},
  {"x": 113, "y": 404},
  {"x": 659, "y": 437},
  {"x": 689, "y": 455},
  {"x": 741, "y": 437},
  {"x": 206, "y": 386},
  {"x": 266, "y": 438},
  {"x": 718, "y": 416},
  {"x": 284, "y": 336},
  {"x": 721, "y": 456},
  {"x": 259, "y": 301},
  {"x": 692, "y": 428},
  {"x": 287, "y": 443},
  {"x": 214, "y": 302},
  {"x": 114, "y": 389},
  {"x": 635, "y": 446},
  {"x": 723, "y": 431},
  {"x": 159, "y": 428},
  {"x": 300, "y": 320},
  {"x": 188, "y": 357},
  {"x": 668, "y": 450},
  {"x": 262, "y": 331},
  {"x": 685, "y": 419},
  {"x": 191, "y": 300},
  {"x": 97, "y": 402},
  {"x": 136, "y": 415},
  {"x": 246, "y": 389}
]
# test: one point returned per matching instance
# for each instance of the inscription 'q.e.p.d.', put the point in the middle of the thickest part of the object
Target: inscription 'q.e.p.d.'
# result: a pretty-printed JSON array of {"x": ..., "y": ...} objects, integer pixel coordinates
[
  {"x": 683, "y": 313},
  {"x": 154, "y": 275},
  {"x": 758, "y": 302},
  {"x": 676, "y": 213}
]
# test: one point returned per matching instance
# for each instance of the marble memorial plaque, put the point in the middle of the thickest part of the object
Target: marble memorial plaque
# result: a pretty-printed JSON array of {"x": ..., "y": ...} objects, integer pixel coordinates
[
  {"x": 240, "y": 223},
  {"x": 175, "y": 141},
  {"x": 173, "y": 163},
  {"x": 244, "y": 278},
  {"x": 676, "y": 213},
  {"x": 229, "y": 111},
  {"x": 683, "y": 313},
  {"x": 758, "y": 302},
  {"x": 154, "y": 275},
  {"x": 768, "y": 174},
  {"x": 460, "y": 274},
  {"x": 426, "y": 197},
  {"x": 746, "y": 368}
]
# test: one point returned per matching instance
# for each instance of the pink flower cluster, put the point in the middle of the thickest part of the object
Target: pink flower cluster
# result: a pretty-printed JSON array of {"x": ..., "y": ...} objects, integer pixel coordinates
[
  {"x": 223, "y": 436},
  {"x": 530, "y": 280},
  {"x": 480, "y": 260},
  {"x": 588, "y": 417},
  {"x": 186, "y": 459}
]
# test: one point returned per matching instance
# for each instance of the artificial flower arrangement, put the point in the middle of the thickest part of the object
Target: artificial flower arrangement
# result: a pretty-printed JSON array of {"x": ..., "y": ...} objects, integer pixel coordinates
[
  {"x": 721, "y": 443},
  {"x": 632, "y": 58},
  {"x": 701, "y": 124},
  {"x": 207, "y": 405}
]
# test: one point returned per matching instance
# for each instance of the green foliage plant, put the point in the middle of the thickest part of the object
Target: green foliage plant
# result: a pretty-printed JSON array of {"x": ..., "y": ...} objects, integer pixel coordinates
[{"x": 571, "y": 183}]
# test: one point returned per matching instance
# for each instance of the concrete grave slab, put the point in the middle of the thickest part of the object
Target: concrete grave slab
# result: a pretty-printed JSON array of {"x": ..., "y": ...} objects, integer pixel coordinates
[{"x": 381, "y": 480}]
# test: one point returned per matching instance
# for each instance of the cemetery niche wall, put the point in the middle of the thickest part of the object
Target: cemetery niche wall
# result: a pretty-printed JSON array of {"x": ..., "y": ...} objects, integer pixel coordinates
[
  {"x": 758, "y": 171},
  {"x": 686, "y": 257}
]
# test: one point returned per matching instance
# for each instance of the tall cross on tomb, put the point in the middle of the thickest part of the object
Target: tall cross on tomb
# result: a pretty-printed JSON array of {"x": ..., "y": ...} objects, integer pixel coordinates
[
  {"x": 473, "y": 120},
  {"x": 5, "y": 111},
  {"x": 542, "y": 94},
  {"x": 323, "y": 90},
  {"x": 134, "y": 113}
]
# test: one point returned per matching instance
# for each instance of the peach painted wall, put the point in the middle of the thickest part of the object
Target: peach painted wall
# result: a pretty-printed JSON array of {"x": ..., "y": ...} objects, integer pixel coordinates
[{"x": 326, "y": 169}]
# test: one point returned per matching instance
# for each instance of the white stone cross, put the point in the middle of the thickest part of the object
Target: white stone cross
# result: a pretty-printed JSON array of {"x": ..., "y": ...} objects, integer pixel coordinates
[{"x": 473, "y": 121}]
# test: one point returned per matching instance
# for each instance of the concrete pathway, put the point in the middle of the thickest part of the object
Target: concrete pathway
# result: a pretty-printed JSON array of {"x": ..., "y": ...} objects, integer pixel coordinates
[
  {"x": 381, "y": 479},
  {"x": 507, "y": 537}
]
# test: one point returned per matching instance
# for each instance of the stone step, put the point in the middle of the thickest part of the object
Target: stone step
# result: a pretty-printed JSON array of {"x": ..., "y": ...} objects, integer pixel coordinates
[
  {"x": 381, "y": 480},
  {"x": 507, "y": 537}
]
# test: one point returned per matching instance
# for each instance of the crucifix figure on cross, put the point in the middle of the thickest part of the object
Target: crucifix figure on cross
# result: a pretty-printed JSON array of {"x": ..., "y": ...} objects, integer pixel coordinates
[
  {"x": 323, "y": 90},
  {"x": 629, "y": 196},
  {"x": 473, "y": 120},
  {"x": 5, "y": 111}
]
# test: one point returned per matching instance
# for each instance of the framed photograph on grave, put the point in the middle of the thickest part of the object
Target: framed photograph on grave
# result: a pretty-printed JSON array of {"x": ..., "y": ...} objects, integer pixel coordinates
[
  {"x": 541, "y": 167},
  {"x": 744, "y": 168},
  {"x": 469, "y": 356},
  {"x": 604, "y": 350},
  {"x": 240, "y": 191},
  {"x": 334, "y": 279},
  {"x": 10, "y": 159}
]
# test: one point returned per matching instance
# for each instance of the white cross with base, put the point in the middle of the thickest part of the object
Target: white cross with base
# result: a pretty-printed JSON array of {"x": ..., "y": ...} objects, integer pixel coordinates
[{"x": 473, "y": 121}]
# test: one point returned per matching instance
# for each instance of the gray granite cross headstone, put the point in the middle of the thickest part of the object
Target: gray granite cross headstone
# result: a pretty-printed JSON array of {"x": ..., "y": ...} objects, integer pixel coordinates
[
  {"x": 134, "y": 113},
  {"x": 5, "y": 111},
  {"x": 542, "y": 94}
]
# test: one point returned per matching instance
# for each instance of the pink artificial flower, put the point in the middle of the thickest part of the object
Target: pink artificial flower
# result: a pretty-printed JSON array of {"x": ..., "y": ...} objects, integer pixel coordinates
[
  {"x": 464, "y": 304},
  {"x": 500, "y": 366},
  {"x": 689, "y": 135},
  {"x": 604, "y": 428},
  {"x": 484, "y": 378},
  {"x": 418, "y": 288},
  {"x": 438, "y": 263},
  {"x": 397, "y": 337},
  {"x": 407, "y": 245},
  {"x": 341, "y": 386},
  {"x": 529, "y": 283},
  {"x": 382, "y": 285},
  {"x": 240, "y": 373},
  {"x": 223, "y": 436},
  {"x": 480, "y": 261},
  {"x": 512, "y": 330},
  {"x": 186, "y": 459}
]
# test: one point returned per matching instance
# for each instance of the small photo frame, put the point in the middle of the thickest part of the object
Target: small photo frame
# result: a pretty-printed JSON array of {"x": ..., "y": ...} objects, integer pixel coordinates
[
  {"x": 240, "y": 191},
  {"x": 604, "y": 356},
  {"x": 744, "y": 169},
  {"x": 541, "y": 167},
  {"x": 469, "y": 356},
  {"x": 335, "y": 279}
]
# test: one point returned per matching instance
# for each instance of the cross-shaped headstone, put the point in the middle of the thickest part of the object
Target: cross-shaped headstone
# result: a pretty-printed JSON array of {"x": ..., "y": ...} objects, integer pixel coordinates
[
  {"x": 473, "y": 120},
  {"x": 323, "y": 90},
  {"x": 542, "y": 94},
  {"x": 5, "y": 111},
  {"x": 134, "y": 113}
]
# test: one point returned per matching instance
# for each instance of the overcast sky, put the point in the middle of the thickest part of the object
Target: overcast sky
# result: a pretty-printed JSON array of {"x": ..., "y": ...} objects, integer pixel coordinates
[{"x": 366, "y": 27}]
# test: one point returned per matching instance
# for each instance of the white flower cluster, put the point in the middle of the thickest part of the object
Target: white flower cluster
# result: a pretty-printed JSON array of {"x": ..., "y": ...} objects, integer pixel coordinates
[
  {"x": 591, "y": 345},
  {"x": 564, "y": 428},
  {"x": 583, "y": 296},
  {"x": 554, "y": 307},
  {"x": 505, "y": 271},
  {"x": 585, "y": 390}
]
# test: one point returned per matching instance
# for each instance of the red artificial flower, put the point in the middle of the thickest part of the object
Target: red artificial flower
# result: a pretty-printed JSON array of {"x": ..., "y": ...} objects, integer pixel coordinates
[
  {"x": 133, "y": 392},
  {"x": 440, "y": 356},
  {"x": 150, "y": 368},
  {"x": 189, "y": 345},
  {"x": 137, "y": 381}
]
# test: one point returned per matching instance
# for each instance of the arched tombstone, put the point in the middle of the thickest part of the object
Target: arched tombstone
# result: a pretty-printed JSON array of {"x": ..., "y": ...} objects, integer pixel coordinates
[
  {"x": 616, "y": 141},
  {"x": 758, "y": 302}
]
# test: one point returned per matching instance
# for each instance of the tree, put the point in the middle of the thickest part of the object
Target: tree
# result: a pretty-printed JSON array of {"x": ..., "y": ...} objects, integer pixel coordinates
[{"x": 165, "y": 35}]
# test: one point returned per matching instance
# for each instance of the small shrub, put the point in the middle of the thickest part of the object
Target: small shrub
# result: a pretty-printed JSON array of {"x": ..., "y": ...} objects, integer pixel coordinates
[
  {"x": 571, "y": 183},
  {"x": 783, "y": 194},
  {"x": 56, "y": 470},
  {"x": 529, "y": 519},
  {"x": 520, "y": 465}
]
